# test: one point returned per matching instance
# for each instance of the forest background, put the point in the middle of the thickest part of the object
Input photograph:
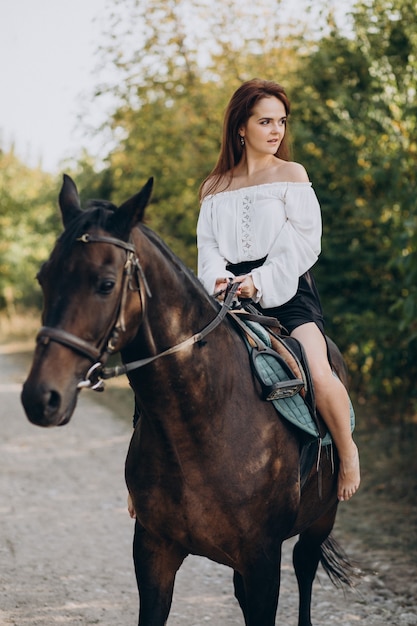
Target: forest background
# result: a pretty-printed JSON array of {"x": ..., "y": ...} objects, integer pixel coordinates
[{"x": 352, "y": 79}]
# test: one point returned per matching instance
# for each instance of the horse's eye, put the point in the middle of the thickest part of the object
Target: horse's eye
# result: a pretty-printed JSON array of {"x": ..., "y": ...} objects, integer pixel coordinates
[{"x": 106, "y": 287}]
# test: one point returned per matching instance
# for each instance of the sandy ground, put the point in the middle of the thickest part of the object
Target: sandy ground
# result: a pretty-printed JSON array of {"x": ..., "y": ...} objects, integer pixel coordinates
[{"x": 65, "y": 537}]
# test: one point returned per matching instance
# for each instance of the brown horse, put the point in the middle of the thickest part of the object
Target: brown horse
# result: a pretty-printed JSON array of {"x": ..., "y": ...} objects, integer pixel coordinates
[{"x": 211, "y": 468}]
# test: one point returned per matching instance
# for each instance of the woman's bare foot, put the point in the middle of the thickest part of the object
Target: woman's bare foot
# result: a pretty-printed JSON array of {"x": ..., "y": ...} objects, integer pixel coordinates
[
  {"x": 349, "y": 475},
  {"x": 130, "y": 507}
]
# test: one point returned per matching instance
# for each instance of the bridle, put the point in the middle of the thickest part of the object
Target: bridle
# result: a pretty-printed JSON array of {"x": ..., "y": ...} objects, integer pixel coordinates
[
  {"x": 132, "y": 273},
  {"x": 133, "y": 280}
]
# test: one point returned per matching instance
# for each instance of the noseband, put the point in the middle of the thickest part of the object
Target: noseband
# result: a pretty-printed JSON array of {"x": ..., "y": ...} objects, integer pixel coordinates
[
  {"x": 98, "y": 355},
  {"x": 132, "y": 273}
]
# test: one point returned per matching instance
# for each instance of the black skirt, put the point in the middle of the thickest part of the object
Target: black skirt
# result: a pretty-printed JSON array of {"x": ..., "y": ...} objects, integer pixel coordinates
[{"x": 303, "y": 307}]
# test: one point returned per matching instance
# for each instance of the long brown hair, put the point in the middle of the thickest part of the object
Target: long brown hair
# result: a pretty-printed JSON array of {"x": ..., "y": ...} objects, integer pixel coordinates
[{"x": 238, "y": 112}]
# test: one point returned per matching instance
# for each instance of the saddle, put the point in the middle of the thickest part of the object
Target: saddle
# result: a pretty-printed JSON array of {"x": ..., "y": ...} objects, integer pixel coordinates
[{"x": 280, "y": 366}]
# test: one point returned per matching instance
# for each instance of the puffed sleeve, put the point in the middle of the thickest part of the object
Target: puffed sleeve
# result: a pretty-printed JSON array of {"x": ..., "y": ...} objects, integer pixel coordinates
[
  {"x": 211, "y": 264},
  {"x": 295, "y": 249}
]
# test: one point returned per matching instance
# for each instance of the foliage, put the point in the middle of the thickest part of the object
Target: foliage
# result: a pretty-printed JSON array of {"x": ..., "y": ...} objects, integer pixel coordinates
[
  {"x": 28, "y": 226},
  {"x": 174, "y": 65},
  {"x": 173, "y": 94},
  {"x": 353, "y": 91},
  {"x": 357, "y": 126}
]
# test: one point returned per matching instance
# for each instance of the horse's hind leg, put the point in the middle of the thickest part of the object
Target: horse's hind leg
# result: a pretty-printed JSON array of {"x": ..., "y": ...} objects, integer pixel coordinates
[
  {"x": 306, "y": 557},
  {"x": 156, "y": 564}
]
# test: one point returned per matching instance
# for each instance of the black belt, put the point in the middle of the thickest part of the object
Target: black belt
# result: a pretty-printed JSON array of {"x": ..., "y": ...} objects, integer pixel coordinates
[{"x": 238, "y": 269}]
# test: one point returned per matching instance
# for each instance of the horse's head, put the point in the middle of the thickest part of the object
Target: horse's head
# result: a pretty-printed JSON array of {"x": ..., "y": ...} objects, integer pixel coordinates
[{"x": 90, "y": 284}]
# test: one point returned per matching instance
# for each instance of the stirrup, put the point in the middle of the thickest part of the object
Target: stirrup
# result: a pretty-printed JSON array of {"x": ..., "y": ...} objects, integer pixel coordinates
[{"x": 280, "y": 388}]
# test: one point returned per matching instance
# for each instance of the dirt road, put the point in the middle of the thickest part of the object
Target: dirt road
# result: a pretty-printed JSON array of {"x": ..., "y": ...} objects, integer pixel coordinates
[{"x": 65, "y": 537}]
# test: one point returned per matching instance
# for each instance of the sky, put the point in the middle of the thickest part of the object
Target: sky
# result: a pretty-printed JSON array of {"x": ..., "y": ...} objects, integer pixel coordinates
[
  {"x": 48, "y": 52},
  {"x": 48, "y": 70}
]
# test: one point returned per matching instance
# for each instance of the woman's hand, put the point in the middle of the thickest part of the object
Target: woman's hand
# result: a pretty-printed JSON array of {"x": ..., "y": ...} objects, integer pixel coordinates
[
  {"x": 221, "y": 286},
  {"x": 247, "y": 289}
]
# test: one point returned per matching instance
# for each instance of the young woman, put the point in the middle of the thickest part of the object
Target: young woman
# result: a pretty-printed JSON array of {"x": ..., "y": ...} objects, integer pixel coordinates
[{"x": 260, "y": 225}]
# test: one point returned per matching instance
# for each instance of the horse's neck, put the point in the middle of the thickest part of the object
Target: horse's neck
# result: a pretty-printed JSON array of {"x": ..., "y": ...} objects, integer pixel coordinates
[
  {"x": 173, "y": 320},
  {"x": 177, "y": 309}
]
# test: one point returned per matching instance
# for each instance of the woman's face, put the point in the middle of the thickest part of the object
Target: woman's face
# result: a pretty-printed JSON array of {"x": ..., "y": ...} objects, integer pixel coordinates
[{"x": 265, "y": 129}]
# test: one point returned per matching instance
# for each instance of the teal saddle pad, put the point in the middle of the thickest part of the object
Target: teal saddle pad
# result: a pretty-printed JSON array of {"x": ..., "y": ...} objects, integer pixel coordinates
[{"x": 292, "y": 408}]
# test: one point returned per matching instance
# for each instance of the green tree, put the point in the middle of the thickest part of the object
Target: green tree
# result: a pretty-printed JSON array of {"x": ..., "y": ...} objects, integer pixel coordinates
[
  {"x": 172, "y": 92},
  {"x": 353, "y": 121},
  {"x": 357, "y": 125},
  {"x": 28, "y": 225}
]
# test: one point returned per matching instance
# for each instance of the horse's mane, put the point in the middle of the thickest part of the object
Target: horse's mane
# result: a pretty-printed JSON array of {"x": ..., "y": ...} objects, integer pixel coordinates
[{"x": 175, "y": 260}]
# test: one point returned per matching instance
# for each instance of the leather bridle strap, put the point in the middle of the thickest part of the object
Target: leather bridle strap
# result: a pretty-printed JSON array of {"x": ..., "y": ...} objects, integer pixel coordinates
[
  {"x": 96, "y": 374},
  {"x": 47, "y": 333},
  {"x": 88, "y": 238},
  {"x": 91, "y": 352},
  {"x": 119, "y": 370}
]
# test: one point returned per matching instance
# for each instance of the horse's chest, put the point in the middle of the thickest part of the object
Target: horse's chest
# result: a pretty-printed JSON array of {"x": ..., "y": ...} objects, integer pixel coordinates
[
  {"x": 218, "y": 516},
  {"x": 212, "y": 498}
]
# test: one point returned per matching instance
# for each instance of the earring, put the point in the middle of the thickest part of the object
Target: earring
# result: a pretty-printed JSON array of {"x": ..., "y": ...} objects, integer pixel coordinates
[{"x": 242, "y": 140}]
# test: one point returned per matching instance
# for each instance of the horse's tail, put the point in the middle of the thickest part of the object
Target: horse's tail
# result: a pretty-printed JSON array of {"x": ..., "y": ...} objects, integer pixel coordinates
[{"x": 337, "y": 565}]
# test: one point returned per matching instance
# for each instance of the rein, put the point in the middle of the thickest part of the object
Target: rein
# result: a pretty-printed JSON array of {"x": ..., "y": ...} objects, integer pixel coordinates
[
  {"x": 118, "y": 370},
  {"x": 97, "y": 373}
]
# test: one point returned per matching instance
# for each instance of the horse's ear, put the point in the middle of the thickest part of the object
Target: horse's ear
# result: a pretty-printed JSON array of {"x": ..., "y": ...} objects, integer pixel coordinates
[
  {"x": 132, "y": 211},
  {"x": 69, "y": 201}
]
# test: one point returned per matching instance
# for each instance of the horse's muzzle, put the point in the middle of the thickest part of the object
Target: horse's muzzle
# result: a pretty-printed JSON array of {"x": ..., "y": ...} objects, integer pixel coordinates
[{"x": 44, "y": 406}]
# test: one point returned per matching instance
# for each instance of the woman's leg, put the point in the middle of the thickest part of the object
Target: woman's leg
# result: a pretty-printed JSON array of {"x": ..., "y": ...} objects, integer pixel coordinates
[{"x": 333, "y": 403}]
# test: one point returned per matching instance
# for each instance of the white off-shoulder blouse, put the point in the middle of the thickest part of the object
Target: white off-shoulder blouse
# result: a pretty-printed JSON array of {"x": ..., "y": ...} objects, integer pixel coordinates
[{"x": 280, "y": 220}]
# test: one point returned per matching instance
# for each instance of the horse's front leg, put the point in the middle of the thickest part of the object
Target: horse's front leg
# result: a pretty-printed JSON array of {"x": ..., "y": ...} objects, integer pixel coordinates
[
  {"x": 156, "y": 564},
  {"x": 257, "y": 589}
]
